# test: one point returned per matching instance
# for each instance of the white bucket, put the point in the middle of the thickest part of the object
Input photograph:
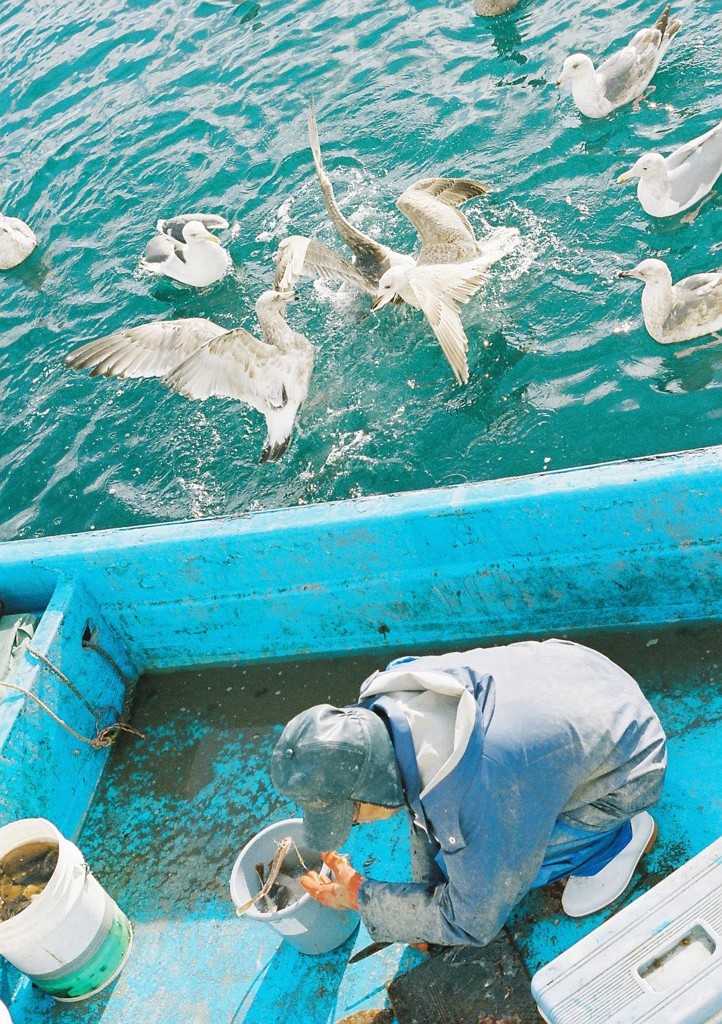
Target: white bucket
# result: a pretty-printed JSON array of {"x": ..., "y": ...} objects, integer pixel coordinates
[
  {"x": 5, "y": 1017},
  {"x": 306, "y": 924},
  {"x": 72, "y": 940}
]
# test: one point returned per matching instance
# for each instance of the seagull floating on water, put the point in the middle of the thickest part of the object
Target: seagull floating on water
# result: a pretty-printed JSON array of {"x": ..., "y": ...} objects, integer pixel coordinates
[
  {"x": 671, "y": 184},
  {"x": 492, "y": 8},
  {"x": 186, "y": 250},
  {"x": 429, "y": 282},
  {"x": 679, "y": 312},
  {"x": 17, "y": 241},
  {"x": 624, "y": 76},
  {"x": 199, "y": 359}
]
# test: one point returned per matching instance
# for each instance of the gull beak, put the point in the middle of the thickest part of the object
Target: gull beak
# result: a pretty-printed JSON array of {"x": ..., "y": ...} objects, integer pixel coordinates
[
  {"x": 627, "y": 176},
  {"x": 562, "y": 78},
  {"x": 381, "y": 300},
  {"x": 208, "y": 237},
  {"x": 626, "y": 273}
]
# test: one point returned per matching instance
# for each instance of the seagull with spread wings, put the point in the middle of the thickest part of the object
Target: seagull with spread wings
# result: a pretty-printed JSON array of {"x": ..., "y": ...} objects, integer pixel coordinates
[
  {"x": 449, "y": 269},
  {"x": 199, "y": 359}
]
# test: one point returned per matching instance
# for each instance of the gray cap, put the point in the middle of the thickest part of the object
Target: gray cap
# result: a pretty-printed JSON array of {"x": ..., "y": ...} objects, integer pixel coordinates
[{"x": 329, "y": 757}]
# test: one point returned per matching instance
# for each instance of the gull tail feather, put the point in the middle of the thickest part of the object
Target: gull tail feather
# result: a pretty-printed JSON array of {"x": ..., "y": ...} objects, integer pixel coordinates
[
  {"x": 662, "y": 21},
  {"x": 279, "y": 424}
]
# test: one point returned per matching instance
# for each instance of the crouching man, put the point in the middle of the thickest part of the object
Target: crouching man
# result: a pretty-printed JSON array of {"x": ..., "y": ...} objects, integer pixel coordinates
[{"x": 517, "y": 766}]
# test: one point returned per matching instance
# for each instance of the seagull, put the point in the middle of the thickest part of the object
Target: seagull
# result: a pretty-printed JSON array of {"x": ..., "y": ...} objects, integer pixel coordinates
[
  {"x": 199, "y": 359},
  {"x": 491, "y": 8},
  {"x": 447, "y": 238},
  {"x": 17, "y": 241},
  {"x": 186, "y": 250},
  {"x": 436, "y": 287},
  {"x": 679, "y": 312},
  {"x": 668, "y": 185},
  {"x": 624, "y": 76}
]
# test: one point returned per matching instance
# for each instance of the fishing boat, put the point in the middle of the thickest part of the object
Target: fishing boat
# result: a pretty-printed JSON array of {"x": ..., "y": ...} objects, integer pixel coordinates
[{"x": 159, "y": 664}]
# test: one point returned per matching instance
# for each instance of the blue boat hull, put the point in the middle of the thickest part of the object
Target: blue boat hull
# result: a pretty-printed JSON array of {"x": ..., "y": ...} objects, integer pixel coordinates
[{"x": 632, "y": 545}]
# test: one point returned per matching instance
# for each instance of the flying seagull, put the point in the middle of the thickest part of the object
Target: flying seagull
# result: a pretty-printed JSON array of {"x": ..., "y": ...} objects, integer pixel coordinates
[
  {"x": 199, "y": 359},
  {"x": 447, "y": 239}
]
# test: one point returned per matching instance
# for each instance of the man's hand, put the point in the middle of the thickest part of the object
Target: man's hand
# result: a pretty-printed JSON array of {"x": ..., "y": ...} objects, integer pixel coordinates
[{"x": 340, "y": 892}]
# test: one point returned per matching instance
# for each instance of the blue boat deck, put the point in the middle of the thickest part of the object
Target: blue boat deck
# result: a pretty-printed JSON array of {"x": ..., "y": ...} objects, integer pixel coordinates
[{"x": 173, "y": 809}]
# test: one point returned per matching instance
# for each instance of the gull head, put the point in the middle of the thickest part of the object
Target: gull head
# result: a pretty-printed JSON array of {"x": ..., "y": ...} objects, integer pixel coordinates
[
  {"x": 390, "y": 286},
  {"x": 575, "y": 67},
  {"x": 273, "y": 300},
  {"x": 650, "y": 271},
  {"x": 648, "y": 164},
  {"x": 194, "y": 231}
]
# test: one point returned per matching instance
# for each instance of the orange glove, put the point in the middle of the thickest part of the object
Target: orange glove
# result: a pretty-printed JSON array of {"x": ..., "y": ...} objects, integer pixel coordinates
[{"x": 340, "y": 892}]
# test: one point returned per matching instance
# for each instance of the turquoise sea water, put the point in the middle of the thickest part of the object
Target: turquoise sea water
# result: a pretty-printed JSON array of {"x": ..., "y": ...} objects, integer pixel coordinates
[{"x": 115, "y": 114}]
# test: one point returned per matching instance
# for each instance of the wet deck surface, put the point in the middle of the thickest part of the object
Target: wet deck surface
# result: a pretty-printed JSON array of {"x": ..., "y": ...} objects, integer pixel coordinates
[{"x": 174, "y": 809}]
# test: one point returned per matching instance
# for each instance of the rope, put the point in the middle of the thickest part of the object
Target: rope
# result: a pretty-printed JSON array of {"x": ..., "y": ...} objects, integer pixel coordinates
[
  {"x": 105, "y": 736},
  {"x": 92, "y": 646},
  {"x": 97, "y": 742},
  {"x": 61, "y": 675}
]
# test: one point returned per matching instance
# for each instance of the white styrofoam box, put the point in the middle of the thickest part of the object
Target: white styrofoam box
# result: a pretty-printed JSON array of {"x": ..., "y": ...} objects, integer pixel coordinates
[{"x": 658, "y": 961}]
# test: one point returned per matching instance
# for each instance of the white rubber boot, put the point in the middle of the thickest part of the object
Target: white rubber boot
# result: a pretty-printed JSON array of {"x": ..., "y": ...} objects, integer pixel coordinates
[{"x": 586, "y": 894}]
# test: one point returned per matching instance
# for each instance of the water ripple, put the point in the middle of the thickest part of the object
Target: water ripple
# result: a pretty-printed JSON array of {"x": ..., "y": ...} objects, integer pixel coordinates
[{"x": 151, "y": 107}]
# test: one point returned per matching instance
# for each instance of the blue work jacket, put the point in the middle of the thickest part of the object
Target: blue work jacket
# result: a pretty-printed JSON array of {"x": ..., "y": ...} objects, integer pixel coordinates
[{"x": 551, "y": 749}]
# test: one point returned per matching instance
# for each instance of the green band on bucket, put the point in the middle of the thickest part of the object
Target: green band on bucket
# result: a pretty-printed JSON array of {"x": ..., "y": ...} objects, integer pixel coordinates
[{"x": 98, "y": 971}]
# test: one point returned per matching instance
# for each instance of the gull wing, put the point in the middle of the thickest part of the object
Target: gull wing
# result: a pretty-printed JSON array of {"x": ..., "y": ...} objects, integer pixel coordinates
[
  {"x": 149, "y": 350},
  {"x": 298, "y": 255},
  {"x": 239, "y": 366},
  {"x": 694, "y": 168},
  {"x": 697, "y": 304},
  {"x": 437, "y": 289},
  {"x": 705, "y": 148},
  {"x": 626, "y": 72},
  {"x": 161, "y": 248},
  {"x": 371, "y": 257},
  {"x": 445, "y": 232},
  {"x": 173, "y": 226},
  {"x": 233, "y": 365},
  {"x": 698, "y": 284}
]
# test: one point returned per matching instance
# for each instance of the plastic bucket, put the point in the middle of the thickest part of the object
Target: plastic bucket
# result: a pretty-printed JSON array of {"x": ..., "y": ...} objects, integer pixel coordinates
[
  {"x": 72, "y": 940},
  {"x": 305, "y": 924}
]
